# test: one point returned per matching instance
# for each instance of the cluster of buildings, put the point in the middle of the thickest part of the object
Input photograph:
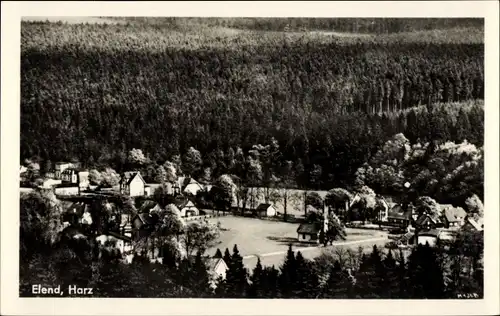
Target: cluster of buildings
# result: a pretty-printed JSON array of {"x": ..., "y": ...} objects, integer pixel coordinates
[
  {"x": 129, "y": 234},
  {"x": 416, "y": 227}
]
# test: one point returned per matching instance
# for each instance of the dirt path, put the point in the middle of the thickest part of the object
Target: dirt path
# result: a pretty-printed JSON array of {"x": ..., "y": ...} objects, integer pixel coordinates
[
  {"x": 342, "y": 243},
  {"x": 276, "y": 258}
]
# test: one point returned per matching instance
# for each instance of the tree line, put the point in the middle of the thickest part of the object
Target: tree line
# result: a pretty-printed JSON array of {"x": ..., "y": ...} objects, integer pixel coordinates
[{"x": 355, "y": 25}]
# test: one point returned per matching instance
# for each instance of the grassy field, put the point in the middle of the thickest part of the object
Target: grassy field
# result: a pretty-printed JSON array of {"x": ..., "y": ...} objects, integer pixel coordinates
[{"x": 269, "y": 240}]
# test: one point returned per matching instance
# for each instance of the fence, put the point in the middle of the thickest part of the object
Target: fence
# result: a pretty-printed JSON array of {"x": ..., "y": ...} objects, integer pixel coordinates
[{"x": 203, "y": 217}]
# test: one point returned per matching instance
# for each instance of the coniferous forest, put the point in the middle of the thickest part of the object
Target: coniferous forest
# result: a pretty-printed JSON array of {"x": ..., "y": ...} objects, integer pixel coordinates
[{"x": 93, "y": 92}]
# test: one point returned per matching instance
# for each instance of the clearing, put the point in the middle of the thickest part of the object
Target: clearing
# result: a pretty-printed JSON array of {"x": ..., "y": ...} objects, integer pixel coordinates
[{"x": 269, "y": 240}]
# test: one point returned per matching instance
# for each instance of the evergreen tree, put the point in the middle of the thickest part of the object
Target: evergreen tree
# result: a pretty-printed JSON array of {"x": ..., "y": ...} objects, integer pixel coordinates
[
  {"x": 236, "y": 277},
  {"x": 256, "y": 288},
  {"x": 227, "y": 257},
  {"x": 288, "y": 275},
  {"x": 218, "y": 254},
  {"x": 270, "y": 282},
  {"x": 369, "y": 278},
  {"x": 390, "y": 280},
  {"x": 462, "y": 127},
  {"x": 200, "y": 278},
  {"x": 425, "y": 274},
  {"x": 338, "y": 284},
  {"x": 307, "y": 283}
]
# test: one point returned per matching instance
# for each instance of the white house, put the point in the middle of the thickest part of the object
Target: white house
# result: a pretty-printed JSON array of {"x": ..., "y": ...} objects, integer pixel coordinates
[
  {"x": 60, "y": 167},
  {"x": 453, "y": 217},
  {"x": 430, "y": 236},
  {"x": 188, "y": 185},
  {"x": 133, "y": 184},
  {"x": 49, "y": 183},
  {"x": 187, "y": 208},
  {"x": 217, "y": 268},
  {"x": 265, "y": 209},
  {"x": 308, "y": 232},
  {"x": 117, "y": 241}
]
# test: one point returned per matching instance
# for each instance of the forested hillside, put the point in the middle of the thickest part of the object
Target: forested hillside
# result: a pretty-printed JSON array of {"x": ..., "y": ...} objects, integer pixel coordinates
[{"x": 94, "y": 92}]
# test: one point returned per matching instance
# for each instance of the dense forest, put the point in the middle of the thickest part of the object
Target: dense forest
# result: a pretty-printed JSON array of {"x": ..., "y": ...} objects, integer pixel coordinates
[{"x": 94, "y": 92}]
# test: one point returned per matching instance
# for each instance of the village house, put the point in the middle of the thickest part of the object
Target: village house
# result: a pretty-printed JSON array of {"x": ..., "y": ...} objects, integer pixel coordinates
[
  {"x": 309, "y": 232},
  {"x": 430, "y": 236},
  {"x": 399, "y": 217},
  {"x": 217, "y": 268},
  {"x": 187, "y": 207},
  {"x": 428, "y": 221},
  {"x": 61, "y": 166},
  {"x": 407, "y": 239},
  {"x": 453, "y": 217},
  {"x": 121, "y": 243},
  {"x": 77, "y": 177},
  {"x": 149, "y": 206},
  {"x": 265, "y": 210},
  {"x": 133, "y": 184},
  {"x": 187, "y": 186},
  {"x": 142, "y": 225},
  {"x": 474, "y": 222}
]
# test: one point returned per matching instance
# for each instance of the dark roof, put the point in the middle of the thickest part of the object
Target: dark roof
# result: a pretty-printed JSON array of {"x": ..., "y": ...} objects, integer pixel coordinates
[
  {"x": 308, "y": 228},
  {"x": 263, "y": 206},
  {"x": 397, "y": 215},
  {"x": 145, "y": 218},
  {"x": 181, "y": 202},
  {"x": 119, "y": 236},
  {"x": 453, "y": 213},
  {"x": 78, "y": 208},
  {"x": 421, "y": 220},
  {"x": 147, "y": 206},
  {"x": 430, "y": 232}
]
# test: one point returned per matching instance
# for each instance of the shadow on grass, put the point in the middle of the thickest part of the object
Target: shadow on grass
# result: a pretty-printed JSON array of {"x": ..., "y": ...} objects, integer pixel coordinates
[{"x": 290, "y": 241}]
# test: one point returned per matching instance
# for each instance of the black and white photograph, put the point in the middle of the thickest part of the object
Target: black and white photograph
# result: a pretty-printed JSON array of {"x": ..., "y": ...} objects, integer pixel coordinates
[{"x": 232, "y": 157}]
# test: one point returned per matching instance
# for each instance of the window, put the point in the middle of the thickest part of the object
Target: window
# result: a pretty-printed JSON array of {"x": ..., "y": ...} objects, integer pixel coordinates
[{"x": 303, "y": 236}]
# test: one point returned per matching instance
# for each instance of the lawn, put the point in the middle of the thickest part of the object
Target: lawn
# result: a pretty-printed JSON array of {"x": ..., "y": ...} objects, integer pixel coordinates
[{"x": 269, "y": 240}]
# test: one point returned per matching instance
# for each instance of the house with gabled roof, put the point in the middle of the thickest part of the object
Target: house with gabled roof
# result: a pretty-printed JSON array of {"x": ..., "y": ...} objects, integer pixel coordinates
[
  {"x": 117, "y": 242},
  {"x": 132, "y": 184},
  {"x": 430, "y": 236},
  {"x": 143, "y": 225},
  {"x": 187, "y": 185},
  {"x": 428, "y": 221},
  {"x": 453, "y": 217},
  {"x": 186, "y": 207},
  {"x": 217, "y": 268},
  {"x": 397, "y": 216},
  {"x": 265, "y": 210},
  {"x": 309, "y": 232},
  {"x": 474, "y": 222}
]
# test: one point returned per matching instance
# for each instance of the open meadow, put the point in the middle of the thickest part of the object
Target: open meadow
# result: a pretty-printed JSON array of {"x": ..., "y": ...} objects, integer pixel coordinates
[{"x": 269, "y": 240}]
